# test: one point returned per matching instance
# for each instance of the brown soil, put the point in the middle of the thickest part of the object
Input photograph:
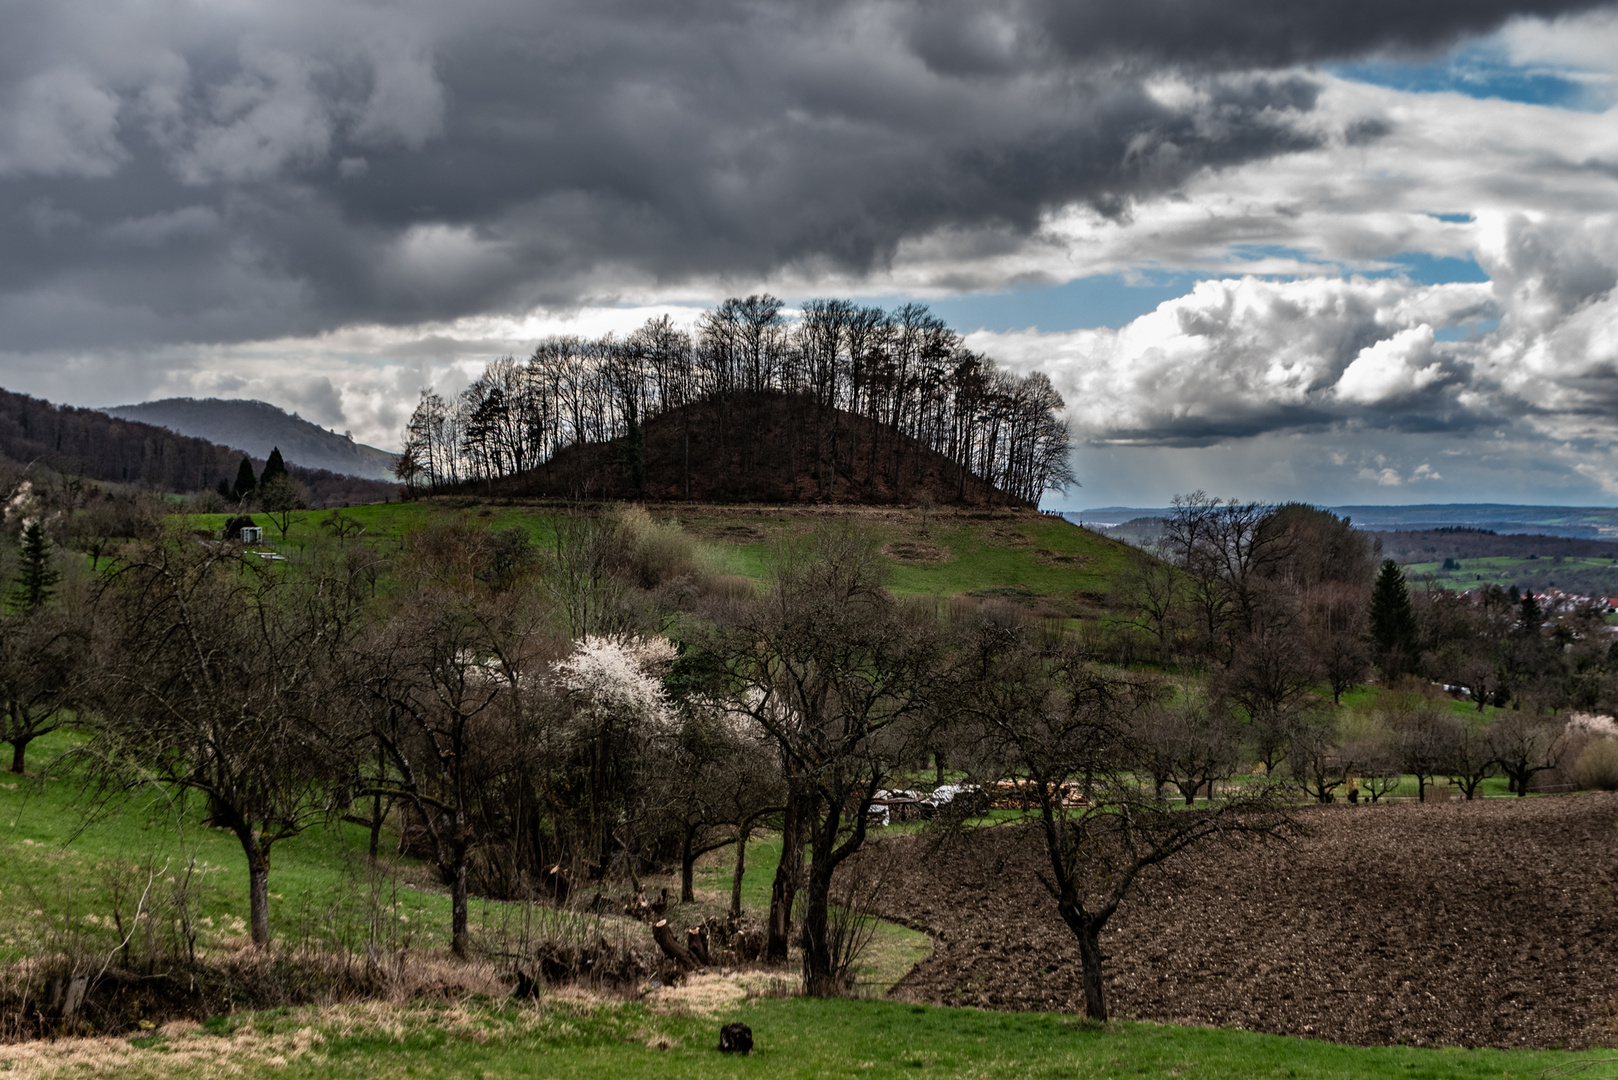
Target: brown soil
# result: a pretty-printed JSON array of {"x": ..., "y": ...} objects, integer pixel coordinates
[
  {"x": 916, "y": 551},
  {"x": 1057, "y": 558},
  {"x": 1474, "y": 924}
]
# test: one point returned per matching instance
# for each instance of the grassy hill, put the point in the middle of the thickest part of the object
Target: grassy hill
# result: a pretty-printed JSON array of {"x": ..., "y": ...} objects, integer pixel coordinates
[{"x": 1039, "y": 560}]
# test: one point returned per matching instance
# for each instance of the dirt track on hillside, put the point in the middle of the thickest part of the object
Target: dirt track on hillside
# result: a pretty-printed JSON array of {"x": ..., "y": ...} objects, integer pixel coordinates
[{"x": 1475, "y": 924}]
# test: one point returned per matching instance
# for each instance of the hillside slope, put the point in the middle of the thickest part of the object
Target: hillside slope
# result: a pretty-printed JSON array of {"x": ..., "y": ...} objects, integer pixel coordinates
[
  {"x": 93, "y": 445},
  {"x": 760, "y": 448},
  {"x": 257, "y": 427}
]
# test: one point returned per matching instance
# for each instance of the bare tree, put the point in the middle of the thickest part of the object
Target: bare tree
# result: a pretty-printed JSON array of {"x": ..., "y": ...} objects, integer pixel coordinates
[
  {"x": 1471, "y": 757},
  {"x": 1425, "y": 740},
  {"x": 1063, "y": 727},
  {"x": 1188, "y": 744},
  {"x": 1272, "y": 677},
  {"x": 1153, "y": 589},
  {"x": 214, "y": 680},
  {"x": 840, "y": 675},
  {"x": 430, "y": 677},
  {"x": 1525, "y": 743},
  {"x": 43, "y": 674}
]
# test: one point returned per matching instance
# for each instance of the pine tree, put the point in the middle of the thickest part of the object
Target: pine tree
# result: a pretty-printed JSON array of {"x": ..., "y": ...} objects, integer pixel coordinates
[
  {"x": 1531, "y": 615},
  {"x": 274, "y": 469},
  {"x": 36, "y": 577},
  {"x": 245, "y": 481},
  {"x": 1393, "y": 620}
]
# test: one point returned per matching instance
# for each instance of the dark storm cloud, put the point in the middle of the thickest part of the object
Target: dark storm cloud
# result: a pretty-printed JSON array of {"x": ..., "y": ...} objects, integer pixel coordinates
[{"x": 174, "y": 174}]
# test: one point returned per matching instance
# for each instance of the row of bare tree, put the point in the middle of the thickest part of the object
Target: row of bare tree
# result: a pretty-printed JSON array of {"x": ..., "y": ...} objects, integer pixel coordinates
[{"x": 903, "y": 370}]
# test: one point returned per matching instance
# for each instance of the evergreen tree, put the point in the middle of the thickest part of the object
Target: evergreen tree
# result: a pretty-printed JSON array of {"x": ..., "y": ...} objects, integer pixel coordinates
[
  {"x": 36, "y": 577},
  {"x": 274, "y": 469},
  {"x": 1531, "y": 615},
  {"x": 245, "y": 481},
  {"x": 1393, "y": 620}
]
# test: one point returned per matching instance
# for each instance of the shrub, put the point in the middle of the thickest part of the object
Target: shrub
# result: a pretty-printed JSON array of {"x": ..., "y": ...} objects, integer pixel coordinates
[{"x": 1597, "y": 766}]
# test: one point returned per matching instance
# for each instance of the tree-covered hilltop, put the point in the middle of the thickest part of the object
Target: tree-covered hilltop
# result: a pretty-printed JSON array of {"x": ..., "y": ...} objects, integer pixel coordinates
[{"x": 842, "y": 404}]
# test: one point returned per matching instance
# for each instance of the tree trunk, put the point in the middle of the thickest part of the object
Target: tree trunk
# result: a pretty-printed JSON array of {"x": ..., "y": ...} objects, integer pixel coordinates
[
  {"x": 736, "y": 878},
  {"x": 460, "y": 943},
  {"x": 819, "y": 978},
  {"x": 19, "y": 752},
  {"x": 688, "y": 863},
  {"x": 785, "y": 889},
  {"x": 377, "y": 815},
  {"x": 1095, "y": 991},
  {"x": 258, "y": 898}
]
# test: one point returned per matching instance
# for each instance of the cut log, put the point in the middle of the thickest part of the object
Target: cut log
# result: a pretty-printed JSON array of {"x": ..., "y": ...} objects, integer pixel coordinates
[{"x": 672, "y": 948}]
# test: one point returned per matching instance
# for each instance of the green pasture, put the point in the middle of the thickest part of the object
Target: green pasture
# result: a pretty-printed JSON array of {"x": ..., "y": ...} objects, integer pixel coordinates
[
  {"x": 793, "y": 1037},
  {"x": 1504, "y": 570},
  {"x": 71, "y": 866},
  {"x": 1017, "y": 555}
]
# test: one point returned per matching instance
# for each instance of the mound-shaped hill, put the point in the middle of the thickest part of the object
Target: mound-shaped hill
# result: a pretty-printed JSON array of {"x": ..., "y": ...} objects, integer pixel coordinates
[
  {"x": 767, "y": 448},
  {"x": 257, "y": 427}
]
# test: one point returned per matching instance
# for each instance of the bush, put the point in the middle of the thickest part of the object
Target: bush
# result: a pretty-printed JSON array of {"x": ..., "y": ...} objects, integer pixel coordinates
[{"x": 1597, "y": 766}]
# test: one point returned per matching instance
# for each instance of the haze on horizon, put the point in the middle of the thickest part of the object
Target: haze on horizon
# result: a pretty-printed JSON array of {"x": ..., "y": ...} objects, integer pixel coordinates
[{"x": 1337, "y": 253}]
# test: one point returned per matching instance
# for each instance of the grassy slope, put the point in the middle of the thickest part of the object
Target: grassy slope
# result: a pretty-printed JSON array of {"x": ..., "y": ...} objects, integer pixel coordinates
[
  {"x": 794, "y": 1037},
  {"x": 1018, "y": 554}
]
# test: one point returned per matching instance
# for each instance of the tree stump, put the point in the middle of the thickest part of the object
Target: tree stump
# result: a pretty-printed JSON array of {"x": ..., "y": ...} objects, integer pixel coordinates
[
  {"x": 672, "y": 948},
  {"x": 696, "y": 940},
  {"x": 735, "y": 1039}
]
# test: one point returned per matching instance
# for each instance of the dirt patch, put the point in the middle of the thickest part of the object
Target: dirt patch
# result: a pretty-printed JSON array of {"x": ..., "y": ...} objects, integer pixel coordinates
[
  {"x": 1063, "y": 559},
  {"x": 1000, "y": 536},
  {"x": 737, "y": 534},
  {"x": 1472, "y": 924},
  {"x": 917, "y": 551}
]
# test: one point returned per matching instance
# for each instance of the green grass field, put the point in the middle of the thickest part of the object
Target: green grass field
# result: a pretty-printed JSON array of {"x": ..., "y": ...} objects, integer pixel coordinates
[
  {"x": 1025, "y": 556},
  {"x": 793, "y": 1037},
  {"x": 1506, "y": 571}
]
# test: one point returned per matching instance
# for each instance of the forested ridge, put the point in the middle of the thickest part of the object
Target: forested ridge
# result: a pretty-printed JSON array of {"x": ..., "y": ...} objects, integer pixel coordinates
[
  {"x": 865, "y": 404},
  {"x": 92, "y": 445}
]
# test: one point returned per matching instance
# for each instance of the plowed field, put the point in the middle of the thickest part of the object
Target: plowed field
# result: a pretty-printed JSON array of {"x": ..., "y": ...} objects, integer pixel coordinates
[{"x": 1474, "y": 924}]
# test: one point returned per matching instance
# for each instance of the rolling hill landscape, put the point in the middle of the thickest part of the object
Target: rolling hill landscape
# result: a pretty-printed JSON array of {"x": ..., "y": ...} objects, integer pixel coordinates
[{"x": 257, "y": 427}]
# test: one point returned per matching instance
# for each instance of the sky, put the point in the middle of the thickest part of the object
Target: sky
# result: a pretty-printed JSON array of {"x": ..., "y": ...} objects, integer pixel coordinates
[{"x": 1342, "y": 253}]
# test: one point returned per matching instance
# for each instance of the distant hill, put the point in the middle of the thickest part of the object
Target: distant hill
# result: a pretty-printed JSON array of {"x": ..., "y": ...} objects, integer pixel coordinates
[
  {"x": 766, "y": 447},
  {"x": 257, "y": 427},
  {"x": 96, "y": 446},
  {"x": 1574, "y": 522}
]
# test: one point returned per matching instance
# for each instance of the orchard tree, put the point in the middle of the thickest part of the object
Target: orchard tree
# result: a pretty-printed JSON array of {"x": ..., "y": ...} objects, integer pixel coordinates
[
  {"x": 216, "y": 679},
  {"x": 1034, "y": 710},
  {"x": 44, "y": 671},
  {"x": 841, "y": 675}
]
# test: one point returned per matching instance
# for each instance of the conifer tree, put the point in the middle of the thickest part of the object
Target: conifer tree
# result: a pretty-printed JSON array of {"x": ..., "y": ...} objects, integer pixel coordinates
[
  {"x": 1393, "y": 620},
  {"x": 274, "y": 469},
  {"x": 36, "y": 577},
  {"x": 1531, "y": 615},
  {"x": 245, "y": 481}
]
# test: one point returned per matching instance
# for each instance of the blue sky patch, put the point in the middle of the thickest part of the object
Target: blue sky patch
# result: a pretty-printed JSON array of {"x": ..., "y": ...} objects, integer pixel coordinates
[
  {"x": 1478, "y": 71},
  {"x": 1083, "y": 304}
]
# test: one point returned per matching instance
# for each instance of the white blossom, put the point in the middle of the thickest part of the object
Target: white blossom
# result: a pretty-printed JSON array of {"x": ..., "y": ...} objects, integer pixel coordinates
[{"x": 620, "y": 678}]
